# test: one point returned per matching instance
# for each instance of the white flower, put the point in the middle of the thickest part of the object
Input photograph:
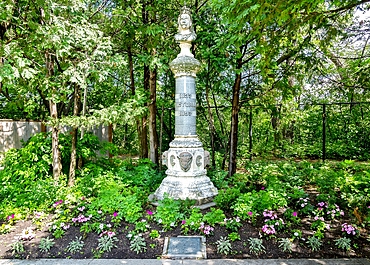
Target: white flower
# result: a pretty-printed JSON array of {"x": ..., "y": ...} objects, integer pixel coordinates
[{"x": 296, "y": 234}]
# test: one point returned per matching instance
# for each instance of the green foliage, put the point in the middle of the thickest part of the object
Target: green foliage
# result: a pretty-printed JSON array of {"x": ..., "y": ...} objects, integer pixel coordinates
[
  {"x": 142, "y": 226},
  {"x": 106, "y": 243},
  {"x": 17, "y": 247},
  {"x": 223, "y": 246},
  {"x": 75, "y": 245},
  {"x": 138, "y": 244},
  {"x": 46, "y": 244},
  {"x": 285, "y": 244},
  {"x": 255, "y": 245},
  {"x": 214, "y": 216},
  {"x": 226, "y": 198},
  {"x": 192, "y": 223},
  {"x": 258, "y": 201},
  {"x": 343, "y": 243},
  {"x": 169, "y": 212},
  {"x": 218, "y": 178},
  {"x": 314, "y": 243},
  {"x": 154, "y": 234},
  {"x": 234, "y": 236}
]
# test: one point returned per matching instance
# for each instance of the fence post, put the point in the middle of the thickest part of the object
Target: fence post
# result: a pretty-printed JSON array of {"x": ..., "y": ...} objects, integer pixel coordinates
[
  {"x": 250, "y": 133},
  {"x": 323, "y": 132}
]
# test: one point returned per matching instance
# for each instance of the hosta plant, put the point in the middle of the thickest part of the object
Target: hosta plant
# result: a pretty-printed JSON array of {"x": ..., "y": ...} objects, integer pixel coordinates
[
  {"x": 17, "y": 247},
  {"x": 106, "y": 243},
  {"x": 343, "y": 243},
  {"x": 75, "y": 245},
  {"x": 314, "y": 243},
  {"x": 138, "y": 244},
  {"x": 46, "y": 244},
  {"x": 285, "y": 244},
  {"x": 223, "y": 246},
  {"x": 256, "y": 246}
]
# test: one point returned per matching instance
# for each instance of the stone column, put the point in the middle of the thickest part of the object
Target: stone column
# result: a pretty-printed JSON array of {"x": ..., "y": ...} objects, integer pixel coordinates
[{"x": 186, "y": 159}]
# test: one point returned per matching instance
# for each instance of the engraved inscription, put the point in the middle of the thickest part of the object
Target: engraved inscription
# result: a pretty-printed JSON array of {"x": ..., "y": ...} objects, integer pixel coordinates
[
  {"x": 185, "y": 113},
  {"x": 186, "y": 104},
  {"x": 185, "y": 95}
]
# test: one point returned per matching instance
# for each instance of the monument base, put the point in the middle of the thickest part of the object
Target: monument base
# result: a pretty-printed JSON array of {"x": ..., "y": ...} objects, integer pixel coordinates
[
  {"x": 186, "y": 174},
  {"x": 197, "y": 188}
]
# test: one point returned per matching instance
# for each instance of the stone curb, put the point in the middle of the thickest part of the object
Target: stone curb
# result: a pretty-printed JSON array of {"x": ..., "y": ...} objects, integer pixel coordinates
[{"x": 186, "y": 262}]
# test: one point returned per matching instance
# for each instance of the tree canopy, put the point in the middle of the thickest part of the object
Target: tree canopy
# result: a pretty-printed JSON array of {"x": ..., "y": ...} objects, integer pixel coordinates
[{"x": 82, "y": 63}]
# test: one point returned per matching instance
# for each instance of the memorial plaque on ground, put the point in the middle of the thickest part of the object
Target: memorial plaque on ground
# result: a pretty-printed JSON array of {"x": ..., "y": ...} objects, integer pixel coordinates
[{"x": 185, "y": 247}]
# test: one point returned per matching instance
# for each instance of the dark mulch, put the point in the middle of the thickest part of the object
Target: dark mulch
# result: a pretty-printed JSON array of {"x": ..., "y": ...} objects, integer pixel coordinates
[{"x": 361, "y": 245}]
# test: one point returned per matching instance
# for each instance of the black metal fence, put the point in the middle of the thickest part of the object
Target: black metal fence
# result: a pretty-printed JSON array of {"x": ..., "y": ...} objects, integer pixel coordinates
[{"x": 339, "y": 130}]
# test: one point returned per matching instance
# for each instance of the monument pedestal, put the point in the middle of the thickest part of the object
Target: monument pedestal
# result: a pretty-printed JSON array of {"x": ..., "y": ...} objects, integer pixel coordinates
[
  {"x": 186, "y": 159},
  {"x": 186, "y": 175}
]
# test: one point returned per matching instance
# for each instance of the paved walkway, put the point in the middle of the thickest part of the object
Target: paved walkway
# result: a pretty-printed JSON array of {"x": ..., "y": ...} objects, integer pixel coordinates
[{"x": 187, "y": 262}]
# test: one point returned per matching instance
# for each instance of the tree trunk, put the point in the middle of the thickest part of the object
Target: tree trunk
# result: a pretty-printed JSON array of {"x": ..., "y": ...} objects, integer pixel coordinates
[
  {"x": 153, "y": 137},
  {"x": 72, "y": 166},
  {"x": 57, "y": 163},
  {"x": 143, "y": 130},
  {"x": 233, "y": 140},
  {"x": 131, "y": 66}
]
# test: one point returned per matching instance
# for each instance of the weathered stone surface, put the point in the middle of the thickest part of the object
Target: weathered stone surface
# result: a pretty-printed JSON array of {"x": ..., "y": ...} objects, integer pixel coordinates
[{"x": 186, "y": 159}]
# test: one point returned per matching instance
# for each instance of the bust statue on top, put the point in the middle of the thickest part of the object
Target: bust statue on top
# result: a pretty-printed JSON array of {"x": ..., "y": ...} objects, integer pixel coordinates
[{"x": 186, "y": 32}]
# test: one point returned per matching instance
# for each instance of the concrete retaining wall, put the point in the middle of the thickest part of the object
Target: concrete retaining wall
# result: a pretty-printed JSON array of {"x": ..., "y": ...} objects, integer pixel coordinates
[{"x": 12, "y": 132}]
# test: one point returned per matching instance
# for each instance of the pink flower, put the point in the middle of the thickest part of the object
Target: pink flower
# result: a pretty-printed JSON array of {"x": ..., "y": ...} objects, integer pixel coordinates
[
  {"x": 10, "y": 217},
  {"x": 262, "y": 188},
  {"x": 294, "y": 214},
  {"x": 57, "y": 203},
  {"x": 183, "y": 222},
  {"x": 115, "y": 214},
  {"x": 250, "y": 213},
  {"x": 149, "y": 212}
]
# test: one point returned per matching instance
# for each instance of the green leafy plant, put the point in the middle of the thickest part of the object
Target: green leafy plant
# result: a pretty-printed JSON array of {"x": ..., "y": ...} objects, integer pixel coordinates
[
  {"x": 154, "y": 234},
  {"x": 255, "y": 245},
  {"x": 17, "y": 247},
  {"x": 46, "y": 244},
  {"x": 138, "y": 244},
  {"x": 168, "y": 212},
  {"x": 75, "y": 245},
  {"x": 296, "y": 234},
  {"x": 193, "y": 222},
  {"x": 142, "y": 226},
  {"x": 215, "y": 216},
  {"x": 223, "y": 246},
  {"x": 314, "y": 243},
  {"x": 232, "y": 224},
  {"x": 106, "y": 243},
  {"x": 343, "y": 243},
  {"x": 226, "y": 197},
  {"x": 285, "y": 244},
  {"x": 234, "y": 236}
]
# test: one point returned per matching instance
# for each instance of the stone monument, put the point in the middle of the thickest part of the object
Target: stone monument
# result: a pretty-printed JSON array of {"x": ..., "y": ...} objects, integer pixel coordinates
[{"x": 186, "y": 159}]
